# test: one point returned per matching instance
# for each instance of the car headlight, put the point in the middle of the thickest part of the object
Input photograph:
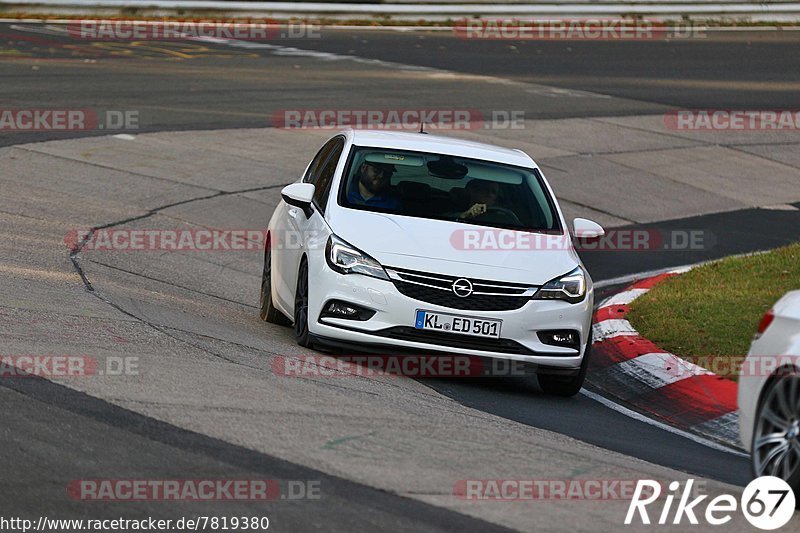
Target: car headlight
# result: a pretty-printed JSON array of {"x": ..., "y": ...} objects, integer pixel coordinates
[
  {"x": 569, "y": 287},
  {"x": 347, "y": 259}
]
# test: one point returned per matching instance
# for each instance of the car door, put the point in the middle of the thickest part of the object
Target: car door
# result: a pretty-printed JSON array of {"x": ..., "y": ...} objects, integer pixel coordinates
[{"x": 299, "y": 227}]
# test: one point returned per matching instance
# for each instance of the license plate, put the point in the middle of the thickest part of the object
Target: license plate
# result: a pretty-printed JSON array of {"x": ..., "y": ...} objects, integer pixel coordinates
[{"x": 463, "y": 325}]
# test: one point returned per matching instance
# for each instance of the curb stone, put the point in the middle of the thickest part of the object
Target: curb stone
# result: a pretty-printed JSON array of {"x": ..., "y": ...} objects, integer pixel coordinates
[{"x": 634, "y": 370}]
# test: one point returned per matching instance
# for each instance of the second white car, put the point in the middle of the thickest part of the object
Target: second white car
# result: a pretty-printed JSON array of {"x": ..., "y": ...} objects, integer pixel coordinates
[{"x": 769, "y": 394}]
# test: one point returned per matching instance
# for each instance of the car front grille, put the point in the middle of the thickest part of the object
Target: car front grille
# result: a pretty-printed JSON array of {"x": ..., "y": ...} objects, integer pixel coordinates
[{"x": 438, "y": 289}]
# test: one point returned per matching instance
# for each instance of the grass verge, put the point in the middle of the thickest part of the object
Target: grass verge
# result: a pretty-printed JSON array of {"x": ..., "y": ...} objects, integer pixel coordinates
[{"x": 709, "y": 315}]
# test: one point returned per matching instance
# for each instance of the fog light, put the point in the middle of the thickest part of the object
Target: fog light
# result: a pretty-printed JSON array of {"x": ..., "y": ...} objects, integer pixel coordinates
[
  {"x": 560, "y": 338},
  {"x": 568, "y": 338},
  {"x": 336, "y": 308},
  {"x": 349, "y": 311}
]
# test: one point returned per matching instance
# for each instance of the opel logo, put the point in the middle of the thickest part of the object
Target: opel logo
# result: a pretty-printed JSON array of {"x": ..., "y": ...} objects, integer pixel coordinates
[{"x": 462, "y": 287}]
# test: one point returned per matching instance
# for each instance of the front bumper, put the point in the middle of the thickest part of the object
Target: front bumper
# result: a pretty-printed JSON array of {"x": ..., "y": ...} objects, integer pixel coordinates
[{"x": 392, "y": 326}]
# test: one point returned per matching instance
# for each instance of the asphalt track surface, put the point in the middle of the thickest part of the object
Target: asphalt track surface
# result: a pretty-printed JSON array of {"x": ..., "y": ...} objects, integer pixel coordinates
[
  {"x": 61, "y": 434},
  {"x": 188, "y": 85}
]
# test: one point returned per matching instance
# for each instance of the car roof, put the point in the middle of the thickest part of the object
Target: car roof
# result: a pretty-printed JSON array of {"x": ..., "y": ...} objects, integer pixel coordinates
[{"x": 439, "y": 144}]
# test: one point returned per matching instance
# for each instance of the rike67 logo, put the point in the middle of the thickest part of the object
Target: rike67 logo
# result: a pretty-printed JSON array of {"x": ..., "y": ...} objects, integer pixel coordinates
[{"x": 767, "y": 503}]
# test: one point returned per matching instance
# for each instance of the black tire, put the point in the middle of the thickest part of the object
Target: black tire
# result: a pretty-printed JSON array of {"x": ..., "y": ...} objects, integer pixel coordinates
[
  {"x": 267, "y": 311},
  {"x": 781, "y": 394},
  {"x": 301, "y": 334},
  {"x": 566, "y": 386}
]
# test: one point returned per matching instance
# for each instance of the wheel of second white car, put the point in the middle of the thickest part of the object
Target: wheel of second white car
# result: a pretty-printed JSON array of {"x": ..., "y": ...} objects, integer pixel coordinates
[
  {"x": 776, "y": 439},
  {"x": 267, "y": 311},
  {"x": 301, "y": 334}
]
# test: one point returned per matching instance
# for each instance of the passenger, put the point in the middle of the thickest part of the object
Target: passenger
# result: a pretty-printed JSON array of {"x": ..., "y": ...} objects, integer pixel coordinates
[{"x": 372, "y": 186}]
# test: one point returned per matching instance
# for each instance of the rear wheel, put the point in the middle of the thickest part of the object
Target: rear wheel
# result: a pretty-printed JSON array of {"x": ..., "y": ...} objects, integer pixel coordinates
[
  {"x": 776, "y": 439},
  {"x": 267, "y": 311},
  {"x": 566, "y": 385},
  {"x": 301, "y": 334}
]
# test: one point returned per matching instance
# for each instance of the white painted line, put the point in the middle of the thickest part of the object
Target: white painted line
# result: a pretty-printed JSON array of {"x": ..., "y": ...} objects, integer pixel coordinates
[
  {"x": 124, "y": 137},
  {"x": 624, "y": 297},
  {"x": 727, "y": 424},
  {"x": 55, "y": 30},
  {"x": 608, "y": 329},
  {"x": 685, "y": 368},
  {"x": 556, "y": 92},
  {"x": 603, "y": 303},
  {"x": 658, "y": 369},
  {"x": 781, "y": 207},
  {"x": 630, "y": 278},
  {"x": 660, "y": 425},
  {"x": 289, "y": 51},
  {"x": 433, "y": 73},
  {"x": 680, "y": 270}
]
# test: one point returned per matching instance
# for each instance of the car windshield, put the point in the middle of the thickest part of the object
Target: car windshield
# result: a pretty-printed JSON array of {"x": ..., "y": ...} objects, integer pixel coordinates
[{"x": 442, "y": 187}]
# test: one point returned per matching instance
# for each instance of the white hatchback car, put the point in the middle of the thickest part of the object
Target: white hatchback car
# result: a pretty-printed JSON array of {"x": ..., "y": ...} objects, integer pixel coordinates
[
  {"x": 408, "y": 242},
  {"x": 769, "y": 394}
]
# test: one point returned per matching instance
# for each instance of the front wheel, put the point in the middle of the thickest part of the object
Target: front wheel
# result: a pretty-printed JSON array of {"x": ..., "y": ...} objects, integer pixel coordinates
[
  {"x": 301, "y": 334},
  {"x": 566, "y": 386},
  {"x": 267, "y": 311}
]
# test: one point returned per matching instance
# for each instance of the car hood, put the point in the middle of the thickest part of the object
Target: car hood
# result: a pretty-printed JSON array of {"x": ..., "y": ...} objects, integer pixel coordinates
[{"x": 456, "y": 249}]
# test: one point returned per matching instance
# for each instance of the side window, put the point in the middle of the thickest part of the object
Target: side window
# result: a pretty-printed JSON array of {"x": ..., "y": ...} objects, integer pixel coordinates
[
  {"x": 325, "y": 172},
  {"x": 313, "y": 169}
]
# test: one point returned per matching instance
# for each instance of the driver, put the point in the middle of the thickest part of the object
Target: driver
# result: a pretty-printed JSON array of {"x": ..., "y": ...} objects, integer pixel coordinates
[{"x": 482, "y": 195}]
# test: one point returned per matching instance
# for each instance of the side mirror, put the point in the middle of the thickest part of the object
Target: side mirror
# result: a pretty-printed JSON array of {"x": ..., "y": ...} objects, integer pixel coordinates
[
  {"x": 299, "y": 195},
  {"x": 586, "y": 229}
]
